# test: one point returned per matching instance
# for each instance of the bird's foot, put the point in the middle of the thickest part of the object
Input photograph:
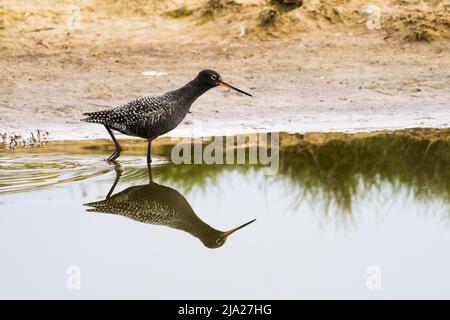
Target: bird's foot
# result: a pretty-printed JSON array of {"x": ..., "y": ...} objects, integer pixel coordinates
[
  {"x": 117, "y": 168},
  {"x": 112, "y": 162},
  {"x": 112, "y": 158}
]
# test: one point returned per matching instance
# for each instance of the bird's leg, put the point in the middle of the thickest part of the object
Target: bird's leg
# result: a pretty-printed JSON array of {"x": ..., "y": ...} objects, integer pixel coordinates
[
  {"x": 149, "y": 168},
  {"x": 149, "y": 151},
  {"x": 118, "y": 170},
  {"x": 116, "y": 152}
]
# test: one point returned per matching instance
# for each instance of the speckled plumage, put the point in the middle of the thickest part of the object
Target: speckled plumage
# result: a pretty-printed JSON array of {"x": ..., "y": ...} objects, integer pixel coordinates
[
  {"x": 159, "y": 205},
  {"x": 152, "y": 116}
]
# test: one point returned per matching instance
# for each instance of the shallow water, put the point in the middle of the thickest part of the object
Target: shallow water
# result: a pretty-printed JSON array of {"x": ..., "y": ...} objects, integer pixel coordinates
[{"x": 333, "y": 214}]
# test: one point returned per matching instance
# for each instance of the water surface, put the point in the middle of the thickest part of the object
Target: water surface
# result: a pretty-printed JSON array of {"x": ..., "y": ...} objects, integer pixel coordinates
[{"x": 334, "y": 209}]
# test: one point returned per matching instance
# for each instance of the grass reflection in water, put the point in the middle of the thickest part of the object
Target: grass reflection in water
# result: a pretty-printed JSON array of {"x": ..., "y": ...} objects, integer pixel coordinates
[{"x": 337, "y": 168}]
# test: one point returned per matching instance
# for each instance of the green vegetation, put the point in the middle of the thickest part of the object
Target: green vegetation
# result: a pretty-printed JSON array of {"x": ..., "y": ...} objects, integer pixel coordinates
[
  {"x": 337, "y": 172},
  {"x": 341, "y": 171},
  {"x": 181, "y": 12}
]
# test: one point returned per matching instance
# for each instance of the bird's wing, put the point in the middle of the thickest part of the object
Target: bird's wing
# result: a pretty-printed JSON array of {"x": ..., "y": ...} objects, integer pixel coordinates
[
  {"x": 129, "y": 113},
  {"x": 137, "y": 203}
]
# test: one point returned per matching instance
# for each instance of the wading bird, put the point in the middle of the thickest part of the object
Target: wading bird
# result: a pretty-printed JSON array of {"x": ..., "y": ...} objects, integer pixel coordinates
[
  {"x": 151, "y": 116},
  {"x": 159, "y": 205}
]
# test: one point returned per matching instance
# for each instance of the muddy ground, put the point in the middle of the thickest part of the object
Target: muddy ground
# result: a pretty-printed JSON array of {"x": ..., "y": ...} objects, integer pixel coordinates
[{"x": 318, "y": 75}]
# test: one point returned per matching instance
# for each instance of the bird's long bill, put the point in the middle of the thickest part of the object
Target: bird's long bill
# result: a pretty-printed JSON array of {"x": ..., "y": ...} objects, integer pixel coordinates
[
  {"x": 227, "y": 233},
  {"x": 224, "y": 84}
]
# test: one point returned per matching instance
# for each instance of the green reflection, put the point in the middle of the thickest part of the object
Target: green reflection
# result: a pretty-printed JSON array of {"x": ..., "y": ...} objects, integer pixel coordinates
[{"x": 337, "y": 171}]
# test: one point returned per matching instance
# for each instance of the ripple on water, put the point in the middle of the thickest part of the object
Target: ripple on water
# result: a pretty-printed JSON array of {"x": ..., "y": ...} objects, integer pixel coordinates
[{"x": 26, "y": 172}]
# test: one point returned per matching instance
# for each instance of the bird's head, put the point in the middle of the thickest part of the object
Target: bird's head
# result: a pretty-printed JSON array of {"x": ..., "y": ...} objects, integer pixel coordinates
[
  {"x": 211, "y": 79},
  {"x": 217, "y": 238}
]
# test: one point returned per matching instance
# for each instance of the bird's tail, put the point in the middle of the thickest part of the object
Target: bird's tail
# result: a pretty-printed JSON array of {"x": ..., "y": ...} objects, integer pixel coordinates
[{"x": 96, "y": 117}]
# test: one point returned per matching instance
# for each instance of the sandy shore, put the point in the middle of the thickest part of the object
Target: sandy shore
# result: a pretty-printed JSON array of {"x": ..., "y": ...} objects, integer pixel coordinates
[{"x": 338, "y": 80}]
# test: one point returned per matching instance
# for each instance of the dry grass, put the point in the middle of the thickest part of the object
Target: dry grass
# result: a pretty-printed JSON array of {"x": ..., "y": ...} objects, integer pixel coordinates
[
  {"x": 415, "y": 20},
  {"x": 423, "y": 23}
]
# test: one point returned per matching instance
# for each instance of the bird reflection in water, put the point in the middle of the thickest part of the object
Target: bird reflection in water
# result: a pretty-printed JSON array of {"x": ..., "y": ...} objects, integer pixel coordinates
[{"x": 155, "y": 204}]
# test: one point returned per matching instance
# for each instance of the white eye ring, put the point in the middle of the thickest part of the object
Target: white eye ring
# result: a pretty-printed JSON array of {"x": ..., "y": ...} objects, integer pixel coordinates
[{"x": 214, "y": 77}]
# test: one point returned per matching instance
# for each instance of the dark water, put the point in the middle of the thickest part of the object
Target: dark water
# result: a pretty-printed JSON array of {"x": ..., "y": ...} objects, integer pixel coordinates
[{"x": 333, "y": 214}]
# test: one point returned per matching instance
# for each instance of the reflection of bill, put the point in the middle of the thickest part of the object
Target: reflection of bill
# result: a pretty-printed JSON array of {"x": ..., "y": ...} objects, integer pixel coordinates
[
  {"x": 374, "y": 19},
  {"x": 74, "y": 17},
  {"x": 156, "y": 204}
]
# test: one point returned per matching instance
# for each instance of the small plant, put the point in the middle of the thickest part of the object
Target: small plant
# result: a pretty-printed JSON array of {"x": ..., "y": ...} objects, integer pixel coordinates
[
  {"x": 215, "y": 7},
  {"x": 267, "y": 17},
  {"x": 178, "y": 13}
]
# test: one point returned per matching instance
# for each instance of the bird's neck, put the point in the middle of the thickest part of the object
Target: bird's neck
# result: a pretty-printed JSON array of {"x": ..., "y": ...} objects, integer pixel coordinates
[
  {"x": 194, "y": 225},
  {"x": 191, "y": 91}
]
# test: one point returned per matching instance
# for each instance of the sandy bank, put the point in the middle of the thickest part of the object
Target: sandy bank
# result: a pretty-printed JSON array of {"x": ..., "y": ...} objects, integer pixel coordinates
[{"x": 342, "y": 79}]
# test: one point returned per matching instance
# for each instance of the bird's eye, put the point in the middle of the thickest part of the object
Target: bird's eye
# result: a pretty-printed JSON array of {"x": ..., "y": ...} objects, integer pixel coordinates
[
  {"x": 218, "y": 241},
  {"x": 214, "y": 77}
]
